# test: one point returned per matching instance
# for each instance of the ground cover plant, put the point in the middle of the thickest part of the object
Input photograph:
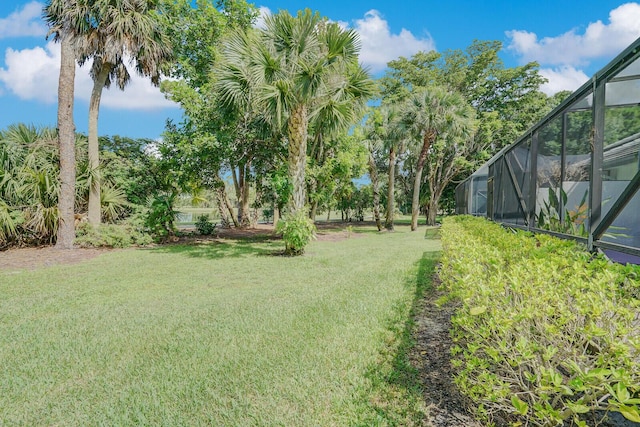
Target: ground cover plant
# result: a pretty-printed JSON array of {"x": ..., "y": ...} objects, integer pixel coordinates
[
  {"x": 222, "y": 332},
  {"x": 545, "y": 333}
]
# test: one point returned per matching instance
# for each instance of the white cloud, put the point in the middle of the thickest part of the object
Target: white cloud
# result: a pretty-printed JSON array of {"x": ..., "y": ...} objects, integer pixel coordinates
[
  {"x": 563, "y": 78},
  {"x": 24, "y": 22},
  {"x": 571, "y": 48},
  {"x": 263, "y": 13},
  {"x": 380, "y": 46},
  {"x": 32, "y": 74}
]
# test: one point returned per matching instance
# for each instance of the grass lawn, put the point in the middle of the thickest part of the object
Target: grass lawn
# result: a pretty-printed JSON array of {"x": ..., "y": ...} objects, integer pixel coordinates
[{"x": 221, "y": 334}]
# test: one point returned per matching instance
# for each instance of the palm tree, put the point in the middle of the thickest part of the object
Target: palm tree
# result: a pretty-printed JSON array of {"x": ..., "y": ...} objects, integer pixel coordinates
[
  {"x": 66, "y": 20},
  {"x": 297, "y": 66},
  {"x": 383, "y": 129},
  {"x": 118, "y": 29},
  {"x": 374, "y": 145},
  {"x": 428, "y": 114}
]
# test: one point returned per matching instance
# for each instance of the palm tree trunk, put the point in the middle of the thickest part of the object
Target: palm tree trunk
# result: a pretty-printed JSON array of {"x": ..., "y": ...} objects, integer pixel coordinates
[
  {"x": 94, "y": 214},
  {"x": 415, "y": 201},
  {"x": 66, "y": 232},
  {"x": 297, "y": 160},
  {"x": 375, "y": 186},
  {"x": 388, "y": 222}
]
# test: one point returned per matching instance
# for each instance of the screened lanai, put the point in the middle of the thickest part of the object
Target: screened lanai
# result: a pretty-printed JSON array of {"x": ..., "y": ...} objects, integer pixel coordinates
[{"x": 576, "y": 173}]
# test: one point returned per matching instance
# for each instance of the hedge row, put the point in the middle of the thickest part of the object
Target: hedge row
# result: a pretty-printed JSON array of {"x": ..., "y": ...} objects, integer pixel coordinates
[{"x": 545, "y": 333}]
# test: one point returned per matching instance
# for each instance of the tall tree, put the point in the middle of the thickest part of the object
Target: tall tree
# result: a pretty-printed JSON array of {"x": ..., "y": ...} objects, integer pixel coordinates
[
  {"x": 66, "y": 141},
  {"x": 119, "y": 31},
  {"x": 211, "y": 138},
  {"x": 428, "y": 114},
  {"x": 386, "y": 129},
  {"x": 374, "y": 143},
  {"x": 65, "y": 19},
  {"x": 507, "y": 100},
  {"x": 298, "y": 65}
]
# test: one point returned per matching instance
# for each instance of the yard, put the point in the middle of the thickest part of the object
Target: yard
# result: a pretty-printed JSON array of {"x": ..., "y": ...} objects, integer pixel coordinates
[{"x": 218, "y": 332}]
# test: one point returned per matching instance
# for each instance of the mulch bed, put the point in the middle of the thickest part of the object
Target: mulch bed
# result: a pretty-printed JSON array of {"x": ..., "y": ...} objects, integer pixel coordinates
[{"x": 431, "y": 357}]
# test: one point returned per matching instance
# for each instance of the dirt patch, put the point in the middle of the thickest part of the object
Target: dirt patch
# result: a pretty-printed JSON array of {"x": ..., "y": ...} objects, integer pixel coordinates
[{"x": 32, "y": 258}]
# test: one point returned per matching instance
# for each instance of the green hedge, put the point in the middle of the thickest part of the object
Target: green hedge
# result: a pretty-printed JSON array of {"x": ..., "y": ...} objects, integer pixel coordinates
[{"x": 545, "y": 332}]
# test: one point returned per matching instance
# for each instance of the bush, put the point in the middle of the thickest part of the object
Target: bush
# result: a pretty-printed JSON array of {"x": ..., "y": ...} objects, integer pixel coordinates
[
  {"x": 545, "y": 333},
  {"x": 110, "y": 235},
  {"x": 161, "y": 216},
  {"x": 297, "y": 231},
  {"x": 204, "y": 226}
]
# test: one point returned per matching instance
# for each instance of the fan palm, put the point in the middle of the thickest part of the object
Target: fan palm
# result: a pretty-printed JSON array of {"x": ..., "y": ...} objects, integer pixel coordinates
[
  {"x": 66, "y": 20},
  {"x": 29, "y": 184},
  {"x": 119, "y": 29},
  {"x": 383, "y": 129},
  {"x": 429, "y": 114},
  {"x": 295, "y": 68}
]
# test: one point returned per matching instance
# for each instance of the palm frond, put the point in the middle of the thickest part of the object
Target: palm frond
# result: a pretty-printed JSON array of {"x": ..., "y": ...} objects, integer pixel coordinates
[{"x": 113, "y": 201}]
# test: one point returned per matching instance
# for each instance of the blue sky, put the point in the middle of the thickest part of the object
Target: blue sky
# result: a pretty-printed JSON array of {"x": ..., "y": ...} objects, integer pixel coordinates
[{"x": 570, "y": 39}]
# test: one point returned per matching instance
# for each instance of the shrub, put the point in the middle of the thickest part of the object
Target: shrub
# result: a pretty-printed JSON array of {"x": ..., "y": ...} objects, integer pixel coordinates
[
  {"x": 204, "y": 226},
  {"x": 161, "y": 216},
  {"x": 544, "y": 333},
  {"x": 110, "y": 235},
  {"x": 297, "y": 231}
]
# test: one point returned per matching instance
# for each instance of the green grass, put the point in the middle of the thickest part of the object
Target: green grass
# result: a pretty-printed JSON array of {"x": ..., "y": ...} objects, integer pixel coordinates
[{"x": 223, "y": 334}]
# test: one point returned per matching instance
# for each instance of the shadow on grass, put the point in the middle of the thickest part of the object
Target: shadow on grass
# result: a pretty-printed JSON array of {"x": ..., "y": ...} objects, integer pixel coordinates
[
  {"x": 413, "y": 385},
  {"x": 225, "y": 248},
  {"x": 397, "y": 389}
]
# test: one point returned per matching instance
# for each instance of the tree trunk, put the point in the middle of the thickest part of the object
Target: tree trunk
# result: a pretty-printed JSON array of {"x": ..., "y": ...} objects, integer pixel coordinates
[
  {"x": 94, "y": 213},
  {"x": 66, "y": 232},
  {"x": 297, "y": 160},
  {"x": 432, "y": 211},
  {"x": 388, "y": 222},
  {"x": 225, "y": 220},
  {"x": 244, "y": 214},
  {"x": 276, "y": 214},
  {"x": 238, "y": 191},
  {"x": 314, "y": 210},
  {"x": 432, "y": 206},
  {"x": 375, "y": 186},
  {"x": 221, "y": 190},
  {"x": 313, "y": 187},
  {"x": 227, "y": 203},
  {"x": 415, "y": 202}
]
